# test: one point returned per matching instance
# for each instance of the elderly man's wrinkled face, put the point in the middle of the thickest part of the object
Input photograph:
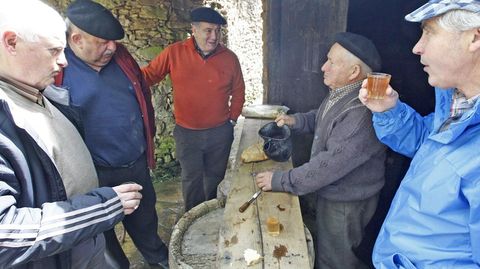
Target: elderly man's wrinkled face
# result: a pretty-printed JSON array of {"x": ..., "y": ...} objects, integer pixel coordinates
[
  {"x": 337, "y": 68},
  {"x": 207, "y": 35},
  {"x": 444, "y": 55},
  {"x": 40, "y": 61},
  {"x": 95, "y": 51}
]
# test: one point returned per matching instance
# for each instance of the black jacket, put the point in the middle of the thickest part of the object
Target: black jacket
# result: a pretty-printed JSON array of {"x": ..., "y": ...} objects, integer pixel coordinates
[{"x": 38, "y": 225}]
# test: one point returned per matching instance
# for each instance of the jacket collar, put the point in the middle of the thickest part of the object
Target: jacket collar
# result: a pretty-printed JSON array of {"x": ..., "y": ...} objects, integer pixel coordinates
[
  {"x": 442, "y": 112},
  {"x": 25, "y": 90}
]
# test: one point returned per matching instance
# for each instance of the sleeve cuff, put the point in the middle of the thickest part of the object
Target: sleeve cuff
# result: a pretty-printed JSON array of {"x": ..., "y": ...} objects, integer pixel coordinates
[
  {"x": 277, "y": 181},
  {"x": 299, "y": 121},
  {"x": 386, "y": 116}
]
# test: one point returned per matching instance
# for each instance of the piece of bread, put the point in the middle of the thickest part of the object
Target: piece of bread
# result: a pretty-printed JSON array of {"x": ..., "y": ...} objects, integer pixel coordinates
[
  {"x": 251, "y": 256},
  {"x": 253, "y": 153}
]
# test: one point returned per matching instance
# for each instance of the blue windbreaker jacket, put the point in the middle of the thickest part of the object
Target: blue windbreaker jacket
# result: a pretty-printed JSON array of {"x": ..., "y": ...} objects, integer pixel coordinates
[{"x": 434, "y": 219}]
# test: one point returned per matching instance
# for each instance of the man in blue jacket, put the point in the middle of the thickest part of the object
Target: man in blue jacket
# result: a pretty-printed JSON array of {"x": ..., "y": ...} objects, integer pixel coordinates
[
  {"x": 434, "y": 219},
  {"x": 52, "y": 213}
]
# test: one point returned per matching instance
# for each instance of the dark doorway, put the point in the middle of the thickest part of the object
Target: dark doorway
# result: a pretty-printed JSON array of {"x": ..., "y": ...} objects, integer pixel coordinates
[
  {"x": 383, "y": 22},
  {"x": 298, "y": 37},
  {"x": 299, "y": 34}
]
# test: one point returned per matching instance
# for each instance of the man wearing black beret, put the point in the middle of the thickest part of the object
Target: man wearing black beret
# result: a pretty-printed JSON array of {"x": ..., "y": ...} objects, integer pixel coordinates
[
  {"x": 346, "y": 167},
  {"x": 106, "y": 85},
  {"x": 208, "y": 92}
]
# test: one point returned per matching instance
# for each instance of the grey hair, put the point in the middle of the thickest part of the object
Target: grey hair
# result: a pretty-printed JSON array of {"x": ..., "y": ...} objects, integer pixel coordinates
[
  {"x": 70, "y": 27},
  {"x": 365, "y": 69},
  {"x": 30, "y": 20},
  {"x": 459, "y": 20}
]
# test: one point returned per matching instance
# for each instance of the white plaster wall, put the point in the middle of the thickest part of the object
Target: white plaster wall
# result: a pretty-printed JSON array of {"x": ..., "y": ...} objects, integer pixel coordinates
[{"x": 245, "y": 27}]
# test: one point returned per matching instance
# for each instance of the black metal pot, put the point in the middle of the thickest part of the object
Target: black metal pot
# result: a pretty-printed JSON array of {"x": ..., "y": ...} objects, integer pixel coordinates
[{"x": 277, "y": 142}]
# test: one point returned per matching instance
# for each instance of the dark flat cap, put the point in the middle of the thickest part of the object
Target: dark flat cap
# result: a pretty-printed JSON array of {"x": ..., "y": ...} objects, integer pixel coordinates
[
  {"x": 207, "y": 14},
  {"x": 95, "y": 19},
  {"x": 361, "y": 47}
]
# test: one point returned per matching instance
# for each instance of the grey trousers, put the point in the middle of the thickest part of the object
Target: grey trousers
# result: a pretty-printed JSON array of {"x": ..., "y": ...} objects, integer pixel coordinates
[
  {"x": 203, "y": 157},
  {"x": 340, "y": 226}
]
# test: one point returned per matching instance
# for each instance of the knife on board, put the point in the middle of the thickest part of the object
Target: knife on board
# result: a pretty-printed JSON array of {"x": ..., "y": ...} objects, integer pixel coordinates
[{"x": 249, "y": 202}]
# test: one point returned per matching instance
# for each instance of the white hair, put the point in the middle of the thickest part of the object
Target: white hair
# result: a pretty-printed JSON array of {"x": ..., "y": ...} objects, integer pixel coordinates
[
  {"x": 30, "y": 20},
  {"x": 459, "y": 20},
  {"x": 354, "y": 60}
]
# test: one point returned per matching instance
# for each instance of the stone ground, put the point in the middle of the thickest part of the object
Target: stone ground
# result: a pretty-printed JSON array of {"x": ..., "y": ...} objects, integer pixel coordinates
[{"x": 169, "y": 208}]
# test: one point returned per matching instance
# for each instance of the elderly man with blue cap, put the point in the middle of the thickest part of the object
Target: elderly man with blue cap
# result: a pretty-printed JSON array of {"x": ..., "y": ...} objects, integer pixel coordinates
[
  {"x": 434, "y": 219},
  {"x": 117, "y": 120}
]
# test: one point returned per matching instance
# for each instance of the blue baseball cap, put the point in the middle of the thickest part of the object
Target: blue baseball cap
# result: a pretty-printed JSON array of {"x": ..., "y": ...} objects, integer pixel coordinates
[{"x": 438, "y": 7}]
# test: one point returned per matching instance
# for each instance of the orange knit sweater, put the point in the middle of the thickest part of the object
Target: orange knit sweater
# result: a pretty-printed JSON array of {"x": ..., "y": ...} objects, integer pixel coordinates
[{"x": 206, "y": 92}]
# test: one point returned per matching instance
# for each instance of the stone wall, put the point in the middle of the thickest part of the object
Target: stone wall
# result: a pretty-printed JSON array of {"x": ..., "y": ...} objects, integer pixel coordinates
[{"x": 151, "y": 25}]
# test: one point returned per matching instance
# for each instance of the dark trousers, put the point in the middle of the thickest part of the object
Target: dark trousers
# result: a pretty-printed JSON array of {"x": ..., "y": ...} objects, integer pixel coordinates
[
  {"x": 340, "y": 227},
  {"x": 203, "y": 157},
  {"x": 89, "y": 254},
  {"x": 142, "y": 224}
]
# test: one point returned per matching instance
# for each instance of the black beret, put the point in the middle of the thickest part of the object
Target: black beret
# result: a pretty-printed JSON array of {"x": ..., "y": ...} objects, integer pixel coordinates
[
  {"x": 95, "y": 19},
  {"x": 207, "y": 14},
  {"x": 361, "y": 47}
]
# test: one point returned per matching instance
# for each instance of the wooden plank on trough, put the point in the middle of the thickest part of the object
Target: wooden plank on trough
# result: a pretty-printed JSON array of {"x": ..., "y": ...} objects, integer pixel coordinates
[
  {"x": 239, "y": 231},
  {"x": 289, "y": 248},
  {"x": 247, "y": 230}
]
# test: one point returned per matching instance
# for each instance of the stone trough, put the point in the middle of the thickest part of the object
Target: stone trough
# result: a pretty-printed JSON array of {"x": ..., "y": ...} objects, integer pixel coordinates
[{"x": 194, "y": 239}]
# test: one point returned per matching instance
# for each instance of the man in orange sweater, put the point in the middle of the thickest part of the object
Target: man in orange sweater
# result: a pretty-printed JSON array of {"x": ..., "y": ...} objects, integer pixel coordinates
[{"x": 208, "y": 96}]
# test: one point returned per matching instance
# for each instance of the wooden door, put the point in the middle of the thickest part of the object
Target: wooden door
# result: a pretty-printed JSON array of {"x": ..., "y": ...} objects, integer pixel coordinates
[{"x": 298, "y": 37}]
